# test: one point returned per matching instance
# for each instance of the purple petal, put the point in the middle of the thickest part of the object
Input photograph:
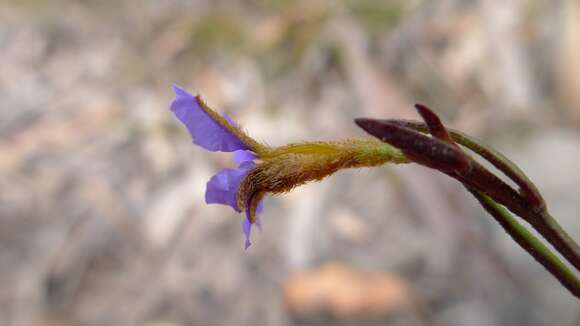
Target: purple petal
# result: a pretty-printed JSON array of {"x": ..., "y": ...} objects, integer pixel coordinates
[
  {"x": 247, "y": 228},
  {"x": 222, "y": 188},
  {"x": 244, "y": 156},
  {"x": 205, "y": 131}
]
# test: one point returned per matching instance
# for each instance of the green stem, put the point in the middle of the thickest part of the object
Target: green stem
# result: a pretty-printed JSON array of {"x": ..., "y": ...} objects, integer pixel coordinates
[
  {"x": 533, "y": 210},
  {"x": 530, "y": 243},
  {"x": 549, "y": 228}
]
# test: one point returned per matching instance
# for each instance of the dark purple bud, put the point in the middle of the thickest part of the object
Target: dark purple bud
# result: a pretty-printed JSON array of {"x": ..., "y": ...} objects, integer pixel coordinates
[
  {"x": 435, "y": 125},
  {"x": 419, "y": 148},
  {"x": 498, "y": 160}
]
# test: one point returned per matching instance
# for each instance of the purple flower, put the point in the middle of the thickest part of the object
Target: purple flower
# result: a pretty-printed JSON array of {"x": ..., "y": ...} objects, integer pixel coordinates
[
  {"x": 214, "y": 132},
  {"x": 264, "y": 170}
]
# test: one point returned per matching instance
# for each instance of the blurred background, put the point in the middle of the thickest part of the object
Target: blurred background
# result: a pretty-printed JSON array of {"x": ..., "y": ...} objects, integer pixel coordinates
[{"x": 102, "y": 213}]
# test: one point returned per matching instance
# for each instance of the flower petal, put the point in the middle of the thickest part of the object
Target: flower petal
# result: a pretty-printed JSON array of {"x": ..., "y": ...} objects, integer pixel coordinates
[
  {"x": 222, "y": 188},
  {"x": 247, "y": 228},
  {"x": 205, "y": 131},
  {"x": 247, "y": 225},
  {"x": 254, "y": 206},
  {"x": 244, "y": 156}
]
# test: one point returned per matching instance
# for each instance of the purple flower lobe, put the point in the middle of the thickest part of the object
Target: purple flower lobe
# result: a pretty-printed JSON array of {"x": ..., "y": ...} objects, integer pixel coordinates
[{"x": 205, "y": 131}]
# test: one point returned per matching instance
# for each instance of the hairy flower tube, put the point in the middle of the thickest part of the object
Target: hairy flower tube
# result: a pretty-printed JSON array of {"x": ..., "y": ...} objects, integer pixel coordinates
[{"x": 264, "y": 170}]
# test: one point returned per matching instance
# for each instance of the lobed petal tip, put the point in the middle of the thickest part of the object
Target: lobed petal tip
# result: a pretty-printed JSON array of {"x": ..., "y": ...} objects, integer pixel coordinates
[
  {"x": 247, "y": 224},
  {"x": 180, "y": 92},
  {"x": 247, "y": 228},
  {"x": 177, "y": 89},
  {"x": 205, "y": 126}
]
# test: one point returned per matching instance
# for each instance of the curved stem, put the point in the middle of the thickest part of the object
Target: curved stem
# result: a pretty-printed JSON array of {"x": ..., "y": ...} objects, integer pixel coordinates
[
  {"x": 531, "y": 206},
  {"x": 549, "y": 228},
  {"x": 440, "y": 152},
  {"x": 530, "y": 243}
]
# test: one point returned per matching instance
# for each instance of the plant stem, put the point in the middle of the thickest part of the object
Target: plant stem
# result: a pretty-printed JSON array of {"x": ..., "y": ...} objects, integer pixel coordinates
[
  {"x": 549, "y": 228},
  {"x": 530, "y": 243},
  {"x": 530, "y": 205}
]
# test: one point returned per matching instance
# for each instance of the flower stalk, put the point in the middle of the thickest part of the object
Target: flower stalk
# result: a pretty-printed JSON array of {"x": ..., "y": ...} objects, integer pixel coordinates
[
  {"x": 442, "y": 153},
  {"x": 527, "y": 203},
  {"x": 530, "y": 243}
]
